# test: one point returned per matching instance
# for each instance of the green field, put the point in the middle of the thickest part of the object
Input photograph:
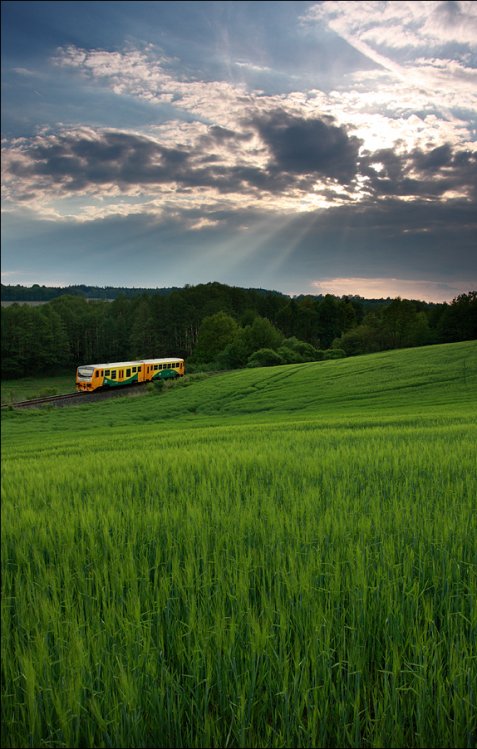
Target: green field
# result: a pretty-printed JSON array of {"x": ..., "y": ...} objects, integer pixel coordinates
[
  {"x": 30, "y": 387},
  {"x": 277, "y": 557}
]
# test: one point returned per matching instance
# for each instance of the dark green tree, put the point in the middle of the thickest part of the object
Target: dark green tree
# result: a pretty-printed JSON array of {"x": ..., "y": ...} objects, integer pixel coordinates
[
  {"x": 262, "y": 334},
  {"x": 215, "y": 333},
  {"x": 459, "y": 319},
  {"x": 143, "y": 339}
]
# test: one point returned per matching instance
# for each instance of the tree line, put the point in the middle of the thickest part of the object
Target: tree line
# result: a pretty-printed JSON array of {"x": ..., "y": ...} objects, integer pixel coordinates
[
  {"x": 214, "y": 326},
  {"x": 37, "y": 293}
]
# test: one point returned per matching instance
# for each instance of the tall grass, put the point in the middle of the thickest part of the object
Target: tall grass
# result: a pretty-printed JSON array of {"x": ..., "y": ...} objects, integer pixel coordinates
[{"x": 301, "y": 583}]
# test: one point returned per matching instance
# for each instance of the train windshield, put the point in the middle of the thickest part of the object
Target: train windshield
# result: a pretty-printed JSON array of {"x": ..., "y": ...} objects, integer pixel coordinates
[{"x": 85, "y": 371}]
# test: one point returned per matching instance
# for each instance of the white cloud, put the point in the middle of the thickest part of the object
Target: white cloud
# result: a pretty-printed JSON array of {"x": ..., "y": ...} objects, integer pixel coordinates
[
  {"x": 401, "y": 24},
  {"x": 382, "y": 103},
  {"x": 388, "y": 34},
  {"x": 203, "y": 223}
]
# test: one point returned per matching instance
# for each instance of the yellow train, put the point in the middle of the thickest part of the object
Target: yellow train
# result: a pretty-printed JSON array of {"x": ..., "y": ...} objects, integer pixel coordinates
[{"x": 91, "y": 377}]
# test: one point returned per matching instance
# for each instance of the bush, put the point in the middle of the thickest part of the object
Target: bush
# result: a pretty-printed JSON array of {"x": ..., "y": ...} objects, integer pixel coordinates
[
  {"x": 335, "y": 353},
  {"x": 303, "y": 351},
  {"x": 155, "y": 387},
  {"x": 290, "y": 356},
  {"x": 264, "y": 357}
]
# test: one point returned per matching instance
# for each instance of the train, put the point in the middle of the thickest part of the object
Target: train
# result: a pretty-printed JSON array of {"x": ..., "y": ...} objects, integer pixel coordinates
[{"x": 90, "y": 377}]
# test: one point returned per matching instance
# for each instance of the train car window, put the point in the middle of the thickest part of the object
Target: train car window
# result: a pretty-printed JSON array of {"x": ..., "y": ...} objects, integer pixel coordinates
[
  {"x": 128, "y": 373},
  {"x": 134, "y": 369},
  {"x": 107, "y": 372},
  {"x": 113, "y": 374},
  {"x": 121, "y": 374}
]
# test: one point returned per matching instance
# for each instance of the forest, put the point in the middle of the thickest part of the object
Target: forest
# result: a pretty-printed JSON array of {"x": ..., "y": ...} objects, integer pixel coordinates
[{"x": 218, "y": 327}]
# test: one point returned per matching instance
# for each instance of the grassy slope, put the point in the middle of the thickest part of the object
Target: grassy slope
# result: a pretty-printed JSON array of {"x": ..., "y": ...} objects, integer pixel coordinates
[{"x": 424, "y": 383}]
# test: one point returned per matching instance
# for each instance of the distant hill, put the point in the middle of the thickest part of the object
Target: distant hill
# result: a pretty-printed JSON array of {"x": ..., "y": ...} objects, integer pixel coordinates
[{"x": 39, "y": 294}]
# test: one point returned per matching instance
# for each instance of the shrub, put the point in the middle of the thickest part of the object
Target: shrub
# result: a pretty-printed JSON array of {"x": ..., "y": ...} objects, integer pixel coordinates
[
  {"x": 303, "y": 351},
  {"x": 289, "y": 356},
  {"x": 155, "y": 387},
  {"x": 264, "y": 357}
]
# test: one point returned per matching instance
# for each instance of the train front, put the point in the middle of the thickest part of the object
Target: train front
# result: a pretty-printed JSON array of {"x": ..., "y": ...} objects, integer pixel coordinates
[{"x": 84, "y": 378}]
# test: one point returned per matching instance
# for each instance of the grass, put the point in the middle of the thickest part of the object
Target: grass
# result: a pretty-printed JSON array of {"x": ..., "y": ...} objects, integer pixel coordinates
[
  {"x": 266, "y": 558},
  {"x": 28, "y": 388}
]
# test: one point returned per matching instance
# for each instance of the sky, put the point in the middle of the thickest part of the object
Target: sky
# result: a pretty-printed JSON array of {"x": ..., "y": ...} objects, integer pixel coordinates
[{"x": 305, "y": 147}]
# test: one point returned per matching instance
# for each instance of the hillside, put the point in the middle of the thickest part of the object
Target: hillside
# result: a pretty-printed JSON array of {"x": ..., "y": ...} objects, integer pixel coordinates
[
  {"x": 426, "y": 382},
  {"x": 408, "y": 380}
]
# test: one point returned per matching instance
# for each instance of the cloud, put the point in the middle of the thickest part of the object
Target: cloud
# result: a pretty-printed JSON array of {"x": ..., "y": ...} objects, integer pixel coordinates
[
  {"x": 437, "y": 173},
  {"x": 223, "y": 146},
  {"x": 401, "y": 24},
  {"x": 149, "y": 76},
  {"x": 301, "y": 164},
  {"x": 309, "y": 145},
  {"x": 409, "y": 44},
  {"x": 286, "y": 250},
  {"x": 385, "y": 104}
]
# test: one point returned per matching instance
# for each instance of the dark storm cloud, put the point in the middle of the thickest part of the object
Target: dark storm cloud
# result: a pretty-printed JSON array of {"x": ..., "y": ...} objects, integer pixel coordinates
[
  {"x": 120, "y": 158},
  {"x": 303, "y": 146},
  {"x": 433, "y": 159},
  {"x": 76, "y": 162},
  {"x": 426, "y": 174},
  {"x": 301, "y": 152}
]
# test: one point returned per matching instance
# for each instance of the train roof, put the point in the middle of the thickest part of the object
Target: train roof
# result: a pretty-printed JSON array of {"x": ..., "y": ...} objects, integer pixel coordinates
[
  {"x": 161, "y": 361},
  {"x": 108, "y": 365}
]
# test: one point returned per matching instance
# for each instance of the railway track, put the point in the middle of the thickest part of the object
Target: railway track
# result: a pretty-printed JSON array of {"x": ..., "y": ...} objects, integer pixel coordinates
[{"x": 75, "y": 398}]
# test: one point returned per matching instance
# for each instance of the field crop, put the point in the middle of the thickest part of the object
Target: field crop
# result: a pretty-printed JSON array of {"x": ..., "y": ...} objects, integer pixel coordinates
[{"x": 267, "y": 558}]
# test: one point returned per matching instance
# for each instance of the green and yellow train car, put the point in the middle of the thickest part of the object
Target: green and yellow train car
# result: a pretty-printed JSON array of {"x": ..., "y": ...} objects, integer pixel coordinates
[{"x": 90, "y": 377}]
